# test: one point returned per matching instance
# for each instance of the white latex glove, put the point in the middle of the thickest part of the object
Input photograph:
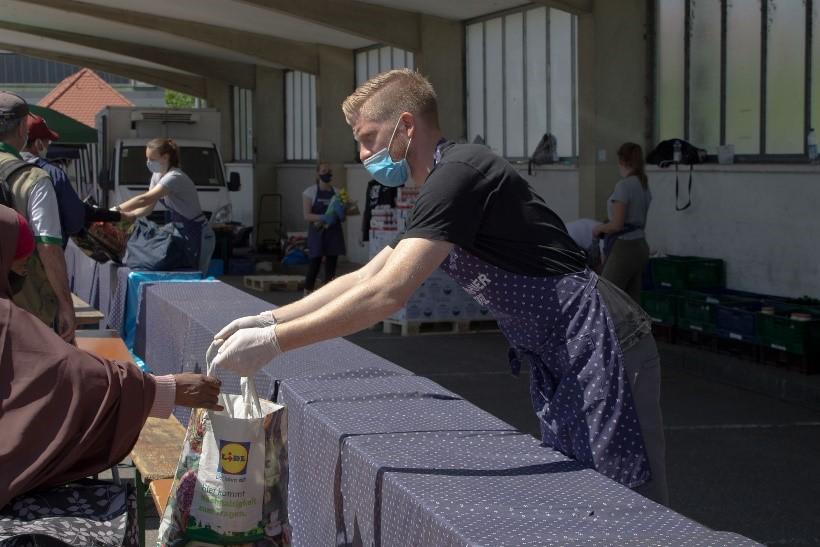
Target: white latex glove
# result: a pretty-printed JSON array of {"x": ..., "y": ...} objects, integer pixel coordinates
[
  {"x": 248, "y": 350},
  {"x": 264, "y": 319}
]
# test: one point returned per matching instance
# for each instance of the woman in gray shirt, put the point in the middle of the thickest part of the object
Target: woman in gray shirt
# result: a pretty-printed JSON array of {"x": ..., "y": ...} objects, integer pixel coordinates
[
  {"x": 177, "y": 192},
  {"x": 625, "y": 248}
]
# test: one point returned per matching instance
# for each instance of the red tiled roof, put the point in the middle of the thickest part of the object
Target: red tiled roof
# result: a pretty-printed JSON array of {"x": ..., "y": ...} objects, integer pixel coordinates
[{"x": 82, "y": 95}]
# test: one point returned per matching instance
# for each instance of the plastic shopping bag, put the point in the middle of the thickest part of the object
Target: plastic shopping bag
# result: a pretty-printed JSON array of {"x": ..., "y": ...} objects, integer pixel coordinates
[{"x": 231, "y": 482}]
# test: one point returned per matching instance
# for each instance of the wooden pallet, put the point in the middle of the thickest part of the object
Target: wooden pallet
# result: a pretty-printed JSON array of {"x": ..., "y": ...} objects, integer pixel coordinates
[
  {"x": 413, "y": 328},
  {"x": 266, "y": 283}
]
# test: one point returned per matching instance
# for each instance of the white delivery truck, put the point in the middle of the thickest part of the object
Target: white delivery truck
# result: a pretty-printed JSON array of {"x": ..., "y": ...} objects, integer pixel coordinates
[{"x": 123, "y": 133}]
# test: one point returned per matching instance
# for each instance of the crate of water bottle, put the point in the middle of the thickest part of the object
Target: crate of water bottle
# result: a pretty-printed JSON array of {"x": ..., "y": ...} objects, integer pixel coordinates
[
  {"x": 407, "y": 195},
  {"x": 413, "y": 312},
  {"x": 402, "y": 216},
  {"x": 442, "y": 285},
  {"x": 473, "y": 311}
]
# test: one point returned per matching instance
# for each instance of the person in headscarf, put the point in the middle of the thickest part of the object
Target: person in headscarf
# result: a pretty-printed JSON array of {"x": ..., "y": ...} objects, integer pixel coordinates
[{"x": 66, "y": 414}]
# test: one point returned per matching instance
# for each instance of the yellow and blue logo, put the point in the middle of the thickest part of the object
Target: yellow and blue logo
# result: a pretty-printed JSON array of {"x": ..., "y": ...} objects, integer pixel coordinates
[{"x": 233, "y": 457}]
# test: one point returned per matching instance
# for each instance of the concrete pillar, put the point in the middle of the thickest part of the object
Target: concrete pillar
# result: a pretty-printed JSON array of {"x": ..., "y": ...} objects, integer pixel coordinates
[
  {"x": 268, "y": 133},
  {"x": 335, "y": 81},
  {"x": 218, "y": 95},
  {"x": 442, "y": 60},
  {"x": 586, "y": 116},
  {"x": 612, "y": 94}
]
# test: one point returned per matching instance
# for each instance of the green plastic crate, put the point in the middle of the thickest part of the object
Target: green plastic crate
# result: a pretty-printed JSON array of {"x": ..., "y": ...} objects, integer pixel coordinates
[
  {"x": 783, "y": 333},
  {"x": 698, "y": 310},
  {"x": 661, "y": 306},
  {"x": 688, "y": 272}
]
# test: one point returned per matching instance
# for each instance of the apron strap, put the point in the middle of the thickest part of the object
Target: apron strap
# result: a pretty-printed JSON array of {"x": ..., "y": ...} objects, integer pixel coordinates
[{"x": 592, "y": 283}]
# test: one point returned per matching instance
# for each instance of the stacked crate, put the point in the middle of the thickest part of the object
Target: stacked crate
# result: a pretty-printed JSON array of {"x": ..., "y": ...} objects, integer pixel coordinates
[
  {"x": 689, "y": 294},
  {"x": 439, "y": 298}
]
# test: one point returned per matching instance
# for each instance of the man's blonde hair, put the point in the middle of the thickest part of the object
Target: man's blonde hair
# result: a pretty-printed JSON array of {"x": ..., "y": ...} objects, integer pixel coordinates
[{"x": 386, "y": 95}]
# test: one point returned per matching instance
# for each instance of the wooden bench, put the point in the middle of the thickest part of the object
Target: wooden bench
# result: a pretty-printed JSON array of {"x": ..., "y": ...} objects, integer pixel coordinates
[
  {"x": 84, "y": 314},
  {"x": 160, "y": 490},
  {"x": 155, "y": 457}
]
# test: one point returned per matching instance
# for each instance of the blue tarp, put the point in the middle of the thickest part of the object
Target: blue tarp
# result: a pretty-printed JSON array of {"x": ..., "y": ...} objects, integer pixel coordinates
[{"x": 134, "y": 297}]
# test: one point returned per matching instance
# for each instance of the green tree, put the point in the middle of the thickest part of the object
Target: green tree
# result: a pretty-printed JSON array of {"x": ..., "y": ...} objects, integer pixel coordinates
[{"x": 175, "y": 99}]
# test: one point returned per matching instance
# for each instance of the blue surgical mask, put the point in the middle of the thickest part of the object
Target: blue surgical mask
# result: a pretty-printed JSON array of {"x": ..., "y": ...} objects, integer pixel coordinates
[
  {"x": 386, "y": 171},
  {"x": 154, "y": 166}
]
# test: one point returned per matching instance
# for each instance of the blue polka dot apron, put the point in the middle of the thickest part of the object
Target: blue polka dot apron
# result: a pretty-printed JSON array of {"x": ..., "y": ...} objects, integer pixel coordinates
[
  {"x": 191, "y": 230},
  {"x": 579, "y": 387}
]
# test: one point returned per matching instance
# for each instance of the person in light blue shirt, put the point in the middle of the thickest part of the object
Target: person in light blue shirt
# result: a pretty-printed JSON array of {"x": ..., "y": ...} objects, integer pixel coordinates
[{"x": 625, "y": 248}]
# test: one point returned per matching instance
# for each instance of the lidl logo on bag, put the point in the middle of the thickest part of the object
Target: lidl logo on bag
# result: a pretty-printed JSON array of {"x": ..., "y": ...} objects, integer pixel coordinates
[{"x": 233, "y": 457}]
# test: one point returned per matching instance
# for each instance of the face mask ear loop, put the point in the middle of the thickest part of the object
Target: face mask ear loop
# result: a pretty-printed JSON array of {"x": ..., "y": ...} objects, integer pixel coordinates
[
  {"x": 393, "y": 136},
  {"x": 406, "y": 150}
]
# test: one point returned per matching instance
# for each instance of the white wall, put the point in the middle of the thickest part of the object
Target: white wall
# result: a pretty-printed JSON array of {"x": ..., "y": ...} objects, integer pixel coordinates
[
  {"x": 761, "y": 219},
  {"x": 357, "y": 179},
  {"x": 559, "y": 186},
  {"x": 292, "y": 179},
  {"x": 242, "y": 205}
]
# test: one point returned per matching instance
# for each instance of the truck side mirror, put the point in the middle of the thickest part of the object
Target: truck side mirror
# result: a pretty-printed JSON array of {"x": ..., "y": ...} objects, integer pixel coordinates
[
  {"x": 105, "y": 181},
  {"x": 234, "y": 183}
]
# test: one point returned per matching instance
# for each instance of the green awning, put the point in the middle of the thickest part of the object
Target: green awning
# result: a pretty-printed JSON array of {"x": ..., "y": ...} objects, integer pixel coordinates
[{"x": 71, "y": 131}]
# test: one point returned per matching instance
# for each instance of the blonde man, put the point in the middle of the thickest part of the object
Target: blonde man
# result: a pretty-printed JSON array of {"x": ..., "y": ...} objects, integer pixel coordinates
[{"x": 593, "y": 360}]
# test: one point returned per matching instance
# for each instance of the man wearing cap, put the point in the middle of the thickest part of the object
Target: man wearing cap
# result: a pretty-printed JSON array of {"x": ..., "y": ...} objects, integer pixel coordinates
[
  {"x": 45, "y": 292},
  {"x": 75, "y": 214}
]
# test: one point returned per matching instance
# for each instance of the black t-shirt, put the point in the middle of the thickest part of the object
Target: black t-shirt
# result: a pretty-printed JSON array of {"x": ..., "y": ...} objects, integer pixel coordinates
[{"x": 476, "y": 200}]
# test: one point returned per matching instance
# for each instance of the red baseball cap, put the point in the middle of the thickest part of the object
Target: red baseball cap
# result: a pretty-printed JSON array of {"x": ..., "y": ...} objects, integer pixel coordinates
[
  {"x": 25, "y": 239},
  {"x": 38, "y": 129}
]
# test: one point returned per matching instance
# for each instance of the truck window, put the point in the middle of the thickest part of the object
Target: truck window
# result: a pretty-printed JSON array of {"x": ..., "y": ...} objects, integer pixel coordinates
[
  {"x": 133, "y": 171},
  {"x": 199, "y": 163},
  {"x": 202, "y": 165}
]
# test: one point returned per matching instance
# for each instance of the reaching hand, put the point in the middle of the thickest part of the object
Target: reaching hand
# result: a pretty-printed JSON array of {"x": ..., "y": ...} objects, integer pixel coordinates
[
  {"x": 248, "y": 350},
  {"x": 66, "y": 323},
  {"x": 197, "y": 391},
  {"x": 264, "y": 319}
]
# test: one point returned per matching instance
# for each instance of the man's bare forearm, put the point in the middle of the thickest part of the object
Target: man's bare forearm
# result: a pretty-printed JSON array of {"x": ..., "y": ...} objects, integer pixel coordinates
[
  {"x": 54, "y": 264},
  {"x": 330, "y": 292},
  {"x": 384, "y": 286},
  {"x": 355, "y": 309},
  {"x": 317, "y": 299}
]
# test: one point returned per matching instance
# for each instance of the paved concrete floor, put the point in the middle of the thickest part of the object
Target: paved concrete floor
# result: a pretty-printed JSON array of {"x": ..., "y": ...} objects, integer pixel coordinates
[{"x": 738, "y": 460}]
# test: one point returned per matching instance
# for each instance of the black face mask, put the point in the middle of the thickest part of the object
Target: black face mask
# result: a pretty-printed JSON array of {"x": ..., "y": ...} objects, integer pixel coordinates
[
  {"x": 326, "y": 177},
  {"x": 16, "y": 282}
]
